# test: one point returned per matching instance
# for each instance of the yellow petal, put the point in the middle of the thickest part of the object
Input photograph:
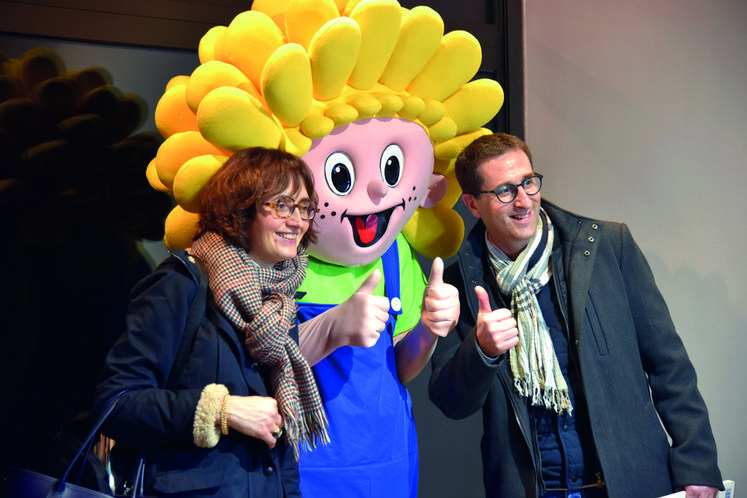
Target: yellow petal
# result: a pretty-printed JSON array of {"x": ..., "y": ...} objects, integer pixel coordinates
[
  {"x": 209, "y": 76},
  {"x": 433, "y": 232},
  {"x": 192, "y": 177},
  {"x": 180, "y": 229},
  {"x": 274, "y": 9},
  {"x": 455, "y": 63},
  {"x": 304, "y": 18},
  {"x": 251, "y": 39},
  {"x": 419, "y": 38},
  {"x": 379, "y": 21},
  {"x": 474, "y": 104},
  {"x": 152, "y": 176},
  {"x": 206, "y": 50},
  {"x": 333, "y": 53},
  {"x": 286, "y": 84},
  {"x": 176, "y": 150},
  {"x": 233, "y": 120}
]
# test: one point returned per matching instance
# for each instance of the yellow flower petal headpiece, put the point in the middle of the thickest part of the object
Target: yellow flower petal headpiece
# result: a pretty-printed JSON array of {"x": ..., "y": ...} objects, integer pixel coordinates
[{"x": 290, "y": 71}]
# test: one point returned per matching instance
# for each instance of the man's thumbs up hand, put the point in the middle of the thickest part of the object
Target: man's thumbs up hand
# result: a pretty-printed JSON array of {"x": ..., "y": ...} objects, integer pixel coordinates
[
  {"x": 440, "y": 311},
  {"x": 496, "y": 329}
]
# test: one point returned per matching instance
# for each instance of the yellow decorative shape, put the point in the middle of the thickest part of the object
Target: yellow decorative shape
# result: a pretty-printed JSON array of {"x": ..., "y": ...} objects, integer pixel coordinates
[
  {"x": 192, "y": 177},
  {"x": 390, "y": 104},
  {"x": 274, "y": 9},
  {"x": 178, "y": 149},
  {"x": 286, "y": 84},
  {"x": 455, "y": 62},
  {"x": 341, "y": 114},
  {"x": 152, "y": 176},
  {"x": 472, "y": 105},
  {"x": 209, "y": 76},
  {"x": 422, "y": 29},
  {"x": 433, "y": 112},
  {"x": 366, "y": 105},
  {"x": 412, "y": 107},
  {"x": 233, "y": 120},
  {"x": 437, "y": 231},
  {"x": 208, "y": 49},
  {"x": 251, "y": 39},
  {"x": 303, "y": 18},
  {"x": 172, "y": 114},
  {"x": 443, "y": 130},
  {"x": 316, "y": 126},
  {"x": 297, "y": 143},
  {"x": 379, "y": 21},
  {"x": 180, "y": 80},
  {"x": 180, "y": 229},
  {"x": 333, "y": 53}
]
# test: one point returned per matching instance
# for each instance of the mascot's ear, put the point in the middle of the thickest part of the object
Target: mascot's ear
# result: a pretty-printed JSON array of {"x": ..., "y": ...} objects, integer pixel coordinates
[{"x": 436, "y": 191}]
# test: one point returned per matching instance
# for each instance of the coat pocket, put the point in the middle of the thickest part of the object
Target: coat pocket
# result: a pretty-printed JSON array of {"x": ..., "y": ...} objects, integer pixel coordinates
[{"x": 594, "y": 325}]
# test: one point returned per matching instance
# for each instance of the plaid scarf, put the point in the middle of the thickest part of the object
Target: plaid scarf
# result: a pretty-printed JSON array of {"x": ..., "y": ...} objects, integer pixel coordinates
[
  {"x": 534, "y": 366},
  {"x": 260, "y": 302}
]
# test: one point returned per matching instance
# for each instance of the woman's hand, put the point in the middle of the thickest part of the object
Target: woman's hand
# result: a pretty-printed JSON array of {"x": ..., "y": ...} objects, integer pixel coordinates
[{"x": 255, "y": 416}]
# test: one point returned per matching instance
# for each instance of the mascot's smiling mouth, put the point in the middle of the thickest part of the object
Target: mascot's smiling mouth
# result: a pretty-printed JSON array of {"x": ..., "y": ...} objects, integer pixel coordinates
[{"x": 368, "y": 229}]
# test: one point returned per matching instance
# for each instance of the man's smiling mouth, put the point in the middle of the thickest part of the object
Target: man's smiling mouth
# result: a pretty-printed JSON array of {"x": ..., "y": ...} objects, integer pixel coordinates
[{"x": 368, "y": 229}]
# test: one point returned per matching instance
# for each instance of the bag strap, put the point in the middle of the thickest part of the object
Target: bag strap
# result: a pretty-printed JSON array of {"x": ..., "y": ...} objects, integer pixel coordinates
[
  {"x": 59, "y": 486},
  {"x": 196, "y": 310}
]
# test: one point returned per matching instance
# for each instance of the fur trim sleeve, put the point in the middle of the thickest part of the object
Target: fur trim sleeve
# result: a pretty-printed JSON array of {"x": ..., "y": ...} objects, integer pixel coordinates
[{"x": 206, "y": 433}]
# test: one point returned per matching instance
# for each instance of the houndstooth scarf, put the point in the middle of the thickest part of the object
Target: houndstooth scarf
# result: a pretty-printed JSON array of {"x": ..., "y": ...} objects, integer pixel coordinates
[
  {"x": 534, "y": 365},
  {"x": 260, "y": 302}
]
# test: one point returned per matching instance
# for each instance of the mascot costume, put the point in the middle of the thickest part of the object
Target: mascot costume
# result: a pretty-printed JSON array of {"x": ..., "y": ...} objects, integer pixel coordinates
[{"x": 379, "y": 102}]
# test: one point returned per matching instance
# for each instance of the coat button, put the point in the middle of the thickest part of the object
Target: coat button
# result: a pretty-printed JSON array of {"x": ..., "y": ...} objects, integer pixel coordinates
[
  {"x": 268, "y": 470},
  {"x": 587, "y": 253},
  {"x": 594, "y": 226},
  {"x": 590, "y": 239}
]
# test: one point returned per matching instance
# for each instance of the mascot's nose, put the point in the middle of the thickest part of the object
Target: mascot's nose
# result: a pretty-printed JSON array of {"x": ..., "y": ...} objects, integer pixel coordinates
[{"x": 377, "y": 189}]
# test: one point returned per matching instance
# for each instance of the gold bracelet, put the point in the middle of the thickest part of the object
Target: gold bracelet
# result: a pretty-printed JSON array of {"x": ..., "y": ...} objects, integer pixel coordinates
[{"x": 223, "y": 414}]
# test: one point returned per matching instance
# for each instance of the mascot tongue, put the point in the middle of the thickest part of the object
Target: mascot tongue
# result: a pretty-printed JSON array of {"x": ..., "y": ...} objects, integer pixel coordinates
[{"x": 367, "y": 229}]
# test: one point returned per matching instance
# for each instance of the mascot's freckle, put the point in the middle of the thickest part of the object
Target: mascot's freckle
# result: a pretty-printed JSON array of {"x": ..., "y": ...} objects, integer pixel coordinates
[{"x": 379, "y": 102}]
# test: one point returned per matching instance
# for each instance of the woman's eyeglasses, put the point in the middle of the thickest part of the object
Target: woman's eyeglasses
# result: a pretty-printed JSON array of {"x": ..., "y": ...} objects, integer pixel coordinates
[{"x": 285, "y": 206}]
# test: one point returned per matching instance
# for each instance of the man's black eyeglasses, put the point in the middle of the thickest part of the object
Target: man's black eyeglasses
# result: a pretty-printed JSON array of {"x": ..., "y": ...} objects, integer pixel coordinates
[
  {"x": 285, "y": 206},
  {"x": 507, "y": 192}
]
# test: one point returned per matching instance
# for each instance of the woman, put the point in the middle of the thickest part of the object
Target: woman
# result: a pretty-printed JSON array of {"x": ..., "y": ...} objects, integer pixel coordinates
[{"x": 245, "y": 383}]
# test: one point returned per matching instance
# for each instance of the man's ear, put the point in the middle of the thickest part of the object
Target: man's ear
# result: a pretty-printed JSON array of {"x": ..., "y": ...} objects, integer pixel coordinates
[
  {"x": 436, "y": 191},
  {"x": 470, "y": 201}
]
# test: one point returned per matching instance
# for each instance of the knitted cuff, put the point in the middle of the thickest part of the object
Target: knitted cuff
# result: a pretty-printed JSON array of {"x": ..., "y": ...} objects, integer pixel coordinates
[{"x": 206, "y": 433}]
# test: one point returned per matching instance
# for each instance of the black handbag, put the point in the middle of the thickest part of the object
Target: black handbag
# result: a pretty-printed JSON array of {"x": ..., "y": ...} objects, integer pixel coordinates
[{"x": 24, "y": 483}]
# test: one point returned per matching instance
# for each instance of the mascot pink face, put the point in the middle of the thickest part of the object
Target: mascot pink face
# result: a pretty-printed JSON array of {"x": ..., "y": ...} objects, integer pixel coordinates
[{"x": 371, "y": 175}]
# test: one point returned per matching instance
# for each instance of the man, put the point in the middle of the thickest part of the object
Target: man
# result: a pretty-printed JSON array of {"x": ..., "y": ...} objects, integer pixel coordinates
[{"x": 567, "y": 345}]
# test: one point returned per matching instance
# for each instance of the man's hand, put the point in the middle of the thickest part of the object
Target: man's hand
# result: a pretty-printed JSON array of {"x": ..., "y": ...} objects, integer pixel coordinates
[
  {"x": 700, "y": 492},
  {"x": 496, "y": 329},
  {"x": 440, "y": 311}
]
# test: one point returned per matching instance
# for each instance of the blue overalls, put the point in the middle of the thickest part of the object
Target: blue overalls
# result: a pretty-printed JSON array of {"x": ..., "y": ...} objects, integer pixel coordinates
[{"x": 373, "y": 450}]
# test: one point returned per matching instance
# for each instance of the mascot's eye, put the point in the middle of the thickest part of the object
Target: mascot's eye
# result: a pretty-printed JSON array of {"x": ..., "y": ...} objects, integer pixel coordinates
[
  {"x": 338, "y": 170},
  {"x": 392, "y": 160}
]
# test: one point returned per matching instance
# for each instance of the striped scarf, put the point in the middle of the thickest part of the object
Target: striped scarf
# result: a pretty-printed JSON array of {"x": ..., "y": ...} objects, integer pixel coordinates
[
  {"x": 534, "y": 366},
  {"x": 260, "y": 302}
]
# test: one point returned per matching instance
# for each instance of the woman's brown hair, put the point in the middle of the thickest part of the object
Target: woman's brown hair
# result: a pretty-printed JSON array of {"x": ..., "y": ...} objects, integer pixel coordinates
[{"x": 229, "y": 200}]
